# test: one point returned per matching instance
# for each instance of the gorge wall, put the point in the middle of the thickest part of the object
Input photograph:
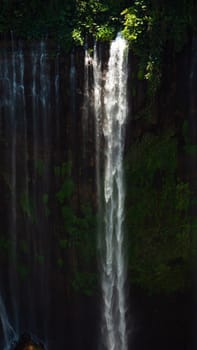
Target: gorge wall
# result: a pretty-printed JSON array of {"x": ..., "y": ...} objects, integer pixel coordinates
[
  {"x": 48, "y": 192},
  {"x": 49, "y": 275}
]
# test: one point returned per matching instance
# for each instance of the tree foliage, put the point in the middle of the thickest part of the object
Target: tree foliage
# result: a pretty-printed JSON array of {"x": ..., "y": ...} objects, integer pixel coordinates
[
  {"x": 152, "y": 26},
  {"x": 68, "y": 21}
]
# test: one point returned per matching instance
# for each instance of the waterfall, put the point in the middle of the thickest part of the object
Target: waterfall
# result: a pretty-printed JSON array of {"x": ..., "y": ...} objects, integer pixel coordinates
[
  {"x": 113, "y": 266},
  {"x": 42, "y": 163},
  {"x": 13, "y": 222},
  {"x": 86, "y": 99},
  {"x": 12, "y": 104},
  {"x": 57, "y": 98},
  {"x": 45, "y": 93},
  {"x": 86, "y": 111},
  {"x": 73, "y": 85},
  {"x": 35, "y": 125},
  {"x": 97, "y": 73},
  {"x": 34, "y": 62},
  {"x": 25, "y": 110},
  {"x": 8, "y": 332},
  {"x": 13, "y": 112}
]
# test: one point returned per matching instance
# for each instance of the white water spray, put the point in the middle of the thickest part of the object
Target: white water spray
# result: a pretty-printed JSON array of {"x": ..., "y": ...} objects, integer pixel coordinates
[{"x": 113, "y": 266}]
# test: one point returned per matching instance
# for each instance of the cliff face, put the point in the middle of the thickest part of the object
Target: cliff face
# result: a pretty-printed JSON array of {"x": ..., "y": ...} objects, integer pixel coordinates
[
  {"x": 161, "y": 210},
  {"x": 49, "y": 275},
  {"x": 48, "y": 249}
]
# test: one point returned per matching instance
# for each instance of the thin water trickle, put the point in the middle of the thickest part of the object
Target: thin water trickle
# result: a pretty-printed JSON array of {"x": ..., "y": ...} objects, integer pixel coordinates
[
  {"x": 26, "y": 108},
  {"x": 57, "y": 98},
  {"x": 13, "y": 172},
  {"x": 34, "y": 63},
  {"x": 97, "y": 74},
  {"x": 86, "y": 95},
  {"x": 73, "y": 84},
  {"x": 86, "y": 106},
  {"x": 113, "y": 264},
  {"x": 9, "y": 333},
  {"x": 44, "y": 93}
]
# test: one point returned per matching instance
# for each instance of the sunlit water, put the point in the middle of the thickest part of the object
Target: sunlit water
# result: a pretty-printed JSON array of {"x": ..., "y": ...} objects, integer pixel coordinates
[{"x": 113, "y": 262}]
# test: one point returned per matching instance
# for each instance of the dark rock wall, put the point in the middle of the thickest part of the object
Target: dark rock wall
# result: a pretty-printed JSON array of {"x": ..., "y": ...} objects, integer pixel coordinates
[
  {"x": 47, "y": 181},
  {"x": 168, "y": 320}
]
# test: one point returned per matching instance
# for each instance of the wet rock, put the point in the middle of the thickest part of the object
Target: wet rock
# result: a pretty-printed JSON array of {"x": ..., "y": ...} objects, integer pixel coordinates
[{"x": 26, "y": 342}]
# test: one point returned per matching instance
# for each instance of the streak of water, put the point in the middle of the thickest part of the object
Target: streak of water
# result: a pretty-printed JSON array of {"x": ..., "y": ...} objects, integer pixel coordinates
[
  {"x": 57, "y": 98},
  {"x": 113, "y": 265},
  {"x": 9, "y": 333},
  {"x": 98, "y": 112},
  {"x": 86, "y": 106}
]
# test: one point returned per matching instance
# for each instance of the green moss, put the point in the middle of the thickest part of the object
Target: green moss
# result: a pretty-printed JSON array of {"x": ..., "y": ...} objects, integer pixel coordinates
[
  {"x": 63, "y": 243},
  {"x": 45, "y": 200},
  {"x": 76, "y": 232},
  {"x": 5, "y": 245},
  {"x": 23, "y": 271},
  {"x": 85, "y": 282},
  {"x": 40, "y": 166},
  {"x": 60, "y": 263},
  {"x": 66, "y": 188},
  {"x": 27, "y": 206},
  {"x": 190, "y": 148},
  {"x": 40, "y": 258},
  {"x": 157, "y": 216},
  {"x": 24, "y": 248},
  {"x": 79, "y": 237}
]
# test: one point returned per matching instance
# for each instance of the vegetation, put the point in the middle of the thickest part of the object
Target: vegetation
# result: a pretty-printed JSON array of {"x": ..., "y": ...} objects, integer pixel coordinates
[
  {"x": 72, "y": 22},
  {"x": 157, "y": 216},
  {"x": 68, "y": 21},
  {"x": 27, "y": 206},
  {"x": 77, "y": 233},
  {"x": 152, "y": 27}
]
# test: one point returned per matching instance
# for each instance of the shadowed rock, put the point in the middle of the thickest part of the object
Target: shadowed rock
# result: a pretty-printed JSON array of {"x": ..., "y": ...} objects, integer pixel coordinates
[{"x": 26, "y": 342}]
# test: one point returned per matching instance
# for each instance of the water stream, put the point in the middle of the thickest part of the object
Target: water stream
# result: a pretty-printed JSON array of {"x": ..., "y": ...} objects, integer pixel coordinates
[{"x": 113, "y": 265}]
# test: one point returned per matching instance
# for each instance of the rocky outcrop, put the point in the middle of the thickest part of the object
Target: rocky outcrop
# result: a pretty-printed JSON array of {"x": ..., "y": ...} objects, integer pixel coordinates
[{"x": 26, "y": 342}]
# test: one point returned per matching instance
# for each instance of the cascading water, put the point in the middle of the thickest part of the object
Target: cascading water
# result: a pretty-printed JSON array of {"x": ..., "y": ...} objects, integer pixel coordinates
[
  {"x": 57, "y": 97},
  {"x": 13, "y": 103},
  {"x": 73, "y": 84},
  {"x": 86, "y": 104},
  {"x": 26, "y": 203},
  {"x": 97, "y": 73},
  {"x": 113, "y": 266},
  {"x": 13, "y": 224},
  {"x": 34, "y": 124},
  {"x": 86, "y": 111},
  {"x": 72, "y": 79}
]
